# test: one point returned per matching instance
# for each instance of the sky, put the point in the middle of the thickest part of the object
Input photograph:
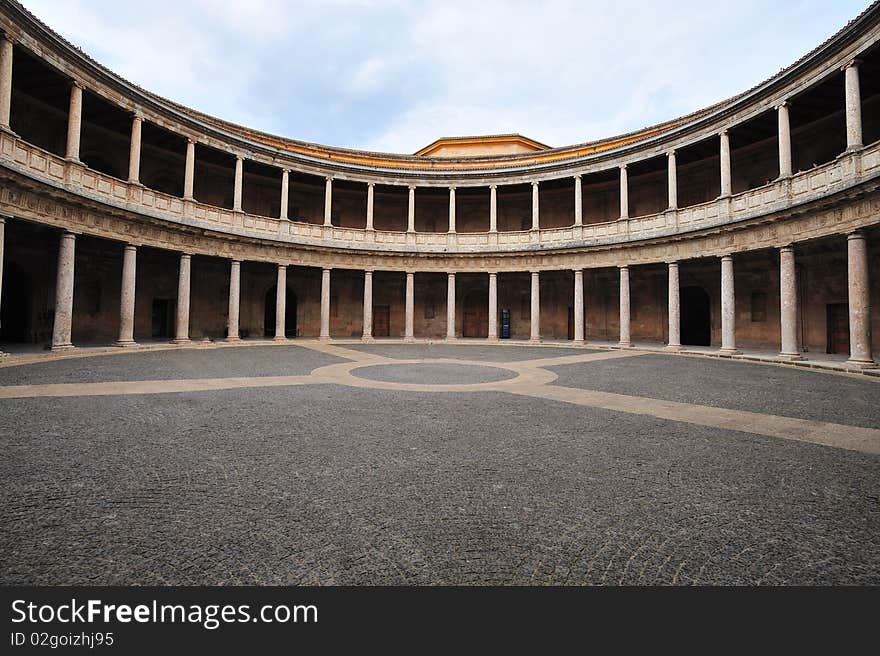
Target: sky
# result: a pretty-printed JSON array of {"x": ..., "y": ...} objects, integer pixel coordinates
[{"x": 394, "y": 75}]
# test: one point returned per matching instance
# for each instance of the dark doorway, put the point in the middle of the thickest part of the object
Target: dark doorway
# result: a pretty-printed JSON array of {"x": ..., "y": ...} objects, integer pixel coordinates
[
  {"x": 381, "y": 321},
  {"x": 270, "y": 313},
  {"x": 15, "y": 311},
  {"x": 163, "y": 317},
  {"x": 475, "y": 307},
  {"x": 696, "y": 317},
  {"x": 838, "y": 328}
]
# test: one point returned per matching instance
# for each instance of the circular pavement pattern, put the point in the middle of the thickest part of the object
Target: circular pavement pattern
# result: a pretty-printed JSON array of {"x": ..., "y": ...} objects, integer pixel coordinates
[
  {"x": 288, "y": 465},
  {"x": 434, "y": 373}
]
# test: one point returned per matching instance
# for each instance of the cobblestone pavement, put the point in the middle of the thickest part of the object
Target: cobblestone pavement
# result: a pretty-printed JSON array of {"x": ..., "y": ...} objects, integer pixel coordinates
[{"x": 327, "y": 483}]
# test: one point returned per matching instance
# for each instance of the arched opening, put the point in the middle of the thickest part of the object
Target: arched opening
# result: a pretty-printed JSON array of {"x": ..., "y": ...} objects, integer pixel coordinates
[
  {"x": 696, "y": 317},
  {"x": 475, "y": 314},
  {"x": 15, "y": 310},
  {"x": 289, "y": 313}
]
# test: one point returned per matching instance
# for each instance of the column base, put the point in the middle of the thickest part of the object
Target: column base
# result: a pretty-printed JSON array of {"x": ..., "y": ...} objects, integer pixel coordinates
[
  {"x": 852, "y": 149},
  {"x": 790, "y": 357},
  {"x": 409, "y": 339},
  {"x": 862, "y": 364},
  {"x": 624, "y": 344},
  {"x": 534, "y": 340},
  {"x": 232, "y": 339},
  {"x": 368, "y": 338},
  {"x": 674, "y": 347},
  {"x": 578, "y": 342},
  {"x": 323, "y": 338},
  {"x": 279, "y": 338},
  {"x": 729, "y": 351},
  {"x": 125, "y": 343},
  {"x": 451, "y": 338},
  {"x": 492, "y": 340},
  {"x": 58, "y": 348},
  {"x": 181, "y": 340}
]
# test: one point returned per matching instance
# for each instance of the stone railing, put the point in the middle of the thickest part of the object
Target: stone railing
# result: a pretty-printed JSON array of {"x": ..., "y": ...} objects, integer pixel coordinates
[{"x": 844, "y": 172}]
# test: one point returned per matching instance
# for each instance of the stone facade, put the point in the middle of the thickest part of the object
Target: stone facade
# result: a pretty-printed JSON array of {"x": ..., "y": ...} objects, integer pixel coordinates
[{"x": 751, "y": 224}]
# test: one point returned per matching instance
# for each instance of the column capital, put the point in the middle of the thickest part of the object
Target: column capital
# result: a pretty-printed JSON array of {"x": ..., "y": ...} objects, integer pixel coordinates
[
  {"x": 493, "y": 186},
  {"x": 191, "y": 140},
  {"x": 577, "y": 176},
  {"x": 326, "y": 269},
  {"x": 535, "y": 272},
  {"x": 67, "y": 234},
  {"x": 451, "y": 187},
  {"x": 782, "y": 103},
  {"x": 623, "y": 266},
  {"x": 855, "y": 62},
  {"x": 672, "y": 263},
  {"x": 670, "y": 152},
  {"x": 371, "y": 184},
  {"x": 76, "y": 83},
  {"x": 534, "y": 183},
  {"x": 285, "y": 170},
  {"x": 6, "y": 36},
  {"x": 328, "y": 178},
  {"x": 282, "y": 265},
  {"x": 723, "y": 133},
  {"x": 137, "y": 116},
  {"x": 411, "y": 187},
  {"x": 234, "y": 260},
  {"x": 787, "y": 248},
  {"x": 578, "y": 270},
  {"x": 370, "y": 271},
  {"x": 130, "y": 247},
  {"x": 410, "y": 272},
  {"x": 726, "y": 256},
  {"x": 855, "y": 234},
  {"x": 185, "y": 254}
]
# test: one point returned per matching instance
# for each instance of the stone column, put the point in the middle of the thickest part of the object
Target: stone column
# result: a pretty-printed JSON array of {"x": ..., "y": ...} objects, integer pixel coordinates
[
  {"x": 672, "y": 180},
  {"x": 134, "y": 150},
  {"x": 578, "y": 201},
  {"x": 190, "y": 170},
  {"x": 493, "y": 307},
  {"x": 411, "y": 211},
  {"x": 370, "y": 194},
  {"x": 74, "y": 121},
  {"x": 127, "y": 296},
  {"x": 624, "y": 193},
  {"x": 285, "y": 194},
  {"x": 408, "y": 332},
  {"x": 725, "y": 164},
  {"x": 625, "y": 339},
  {"x": 450, "y": 306},
  {"x": 674, "y": 304},
  {"x": 493, "y": 208},
  {"x": 368, "y": 305},
  {"x": 182, "y": 328},
  {"x": 728, "y": 307},
  {"x": 853, "y": 106},
  {"x": 328, "y": 201},
  {"x": 536, "y": 207},
  {"x": 578, "y": 306},
  {"x": 860, "y": 353},
  {"x": 5, "y": 81},
  {"x": 535, "y": 335},
  {"x": 788, "y": 303},
  {"x": 2, "y": 242},
  {"x": 452, "y": 209},
  {"x": 325, "y": 305},
  {"x": 784, "y": 140},
  {"x": 234, "y": 301},
  {"x": 64, "y": 294},
  {"x": 236, "y": 192},
  {"x": 281, "y": 304}
]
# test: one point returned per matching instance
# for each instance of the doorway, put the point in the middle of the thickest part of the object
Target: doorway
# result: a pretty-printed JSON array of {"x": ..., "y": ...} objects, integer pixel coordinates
[
  {"x": 837, "y": 318},
  {"x": 15, "y": 312},
  {"x": 475, "y": 317},
  {"x": 696, "y": 317},
  {"x": 163, "y": 317},
  {"x": 270, "y": 313},
  {"x": 381, "y": 321}
]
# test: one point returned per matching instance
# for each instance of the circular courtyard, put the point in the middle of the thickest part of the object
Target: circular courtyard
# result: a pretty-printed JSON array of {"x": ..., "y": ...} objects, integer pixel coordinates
[{"x": 389, "y": 463}]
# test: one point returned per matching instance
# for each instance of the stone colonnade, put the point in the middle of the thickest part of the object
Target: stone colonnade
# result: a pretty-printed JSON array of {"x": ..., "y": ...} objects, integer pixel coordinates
[{"x": 857, "y": 276}]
